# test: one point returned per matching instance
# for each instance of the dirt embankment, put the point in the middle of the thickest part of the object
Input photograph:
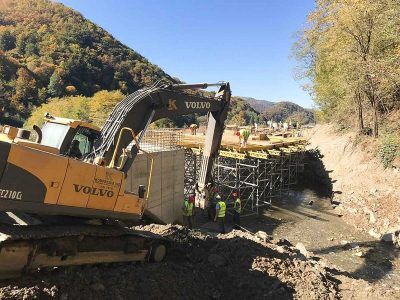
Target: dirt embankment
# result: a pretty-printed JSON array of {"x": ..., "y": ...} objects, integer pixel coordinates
[
  {"x": 237, "y": 265},
  {"x": 368, "y": 195}
]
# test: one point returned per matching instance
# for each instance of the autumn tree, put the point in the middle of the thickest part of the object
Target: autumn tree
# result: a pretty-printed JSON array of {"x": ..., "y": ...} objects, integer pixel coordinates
[
  {"x": 25, "y": 91},
  {"x": 350, "y": 55}
]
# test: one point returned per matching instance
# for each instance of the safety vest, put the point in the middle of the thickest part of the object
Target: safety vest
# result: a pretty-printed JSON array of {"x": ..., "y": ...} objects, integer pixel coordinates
[
  {"x": 187, "y": 208},
  {"x": 238, "y": 205},
  {"x": 244, "y": 133},
  {"x": 222, "y": 209}
]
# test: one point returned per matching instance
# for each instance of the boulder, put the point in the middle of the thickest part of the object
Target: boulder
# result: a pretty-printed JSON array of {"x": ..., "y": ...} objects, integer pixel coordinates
[
  {"x": 303, "y": 250},
  {"x": 388, "y": 237}
]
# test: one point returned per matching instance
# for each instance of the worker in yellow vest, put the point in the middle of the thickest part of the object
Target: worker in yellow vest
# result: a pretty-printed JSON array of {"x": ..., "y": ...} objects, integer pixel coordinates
[
  {"x": 237, "y": 210},
  {"x": 187, "y": 209},
  {"x": 220, "y": 212},
  {"x": 244, "y": 135}
]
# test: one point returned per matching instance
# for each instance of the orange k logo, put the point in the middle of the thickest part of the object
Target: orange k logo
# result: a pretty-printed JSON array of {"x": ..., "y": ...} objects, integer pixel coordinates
[{"x": 172, "y": 105}]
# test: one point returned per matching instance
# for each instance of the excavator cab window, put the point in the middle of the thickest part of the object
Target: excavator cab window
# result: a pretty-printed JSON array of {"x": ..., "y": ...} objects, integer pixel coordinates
[
  {"x": 82, "y": 142},
  {"x": 54, "y": 134}
]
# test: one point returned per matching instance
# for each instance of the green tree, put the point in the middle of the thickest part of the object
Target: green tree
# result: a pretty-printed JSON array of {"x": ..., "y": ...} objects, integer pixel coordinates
[
  {"x": 7, "y": 40},
  {"x": 56, "y": 85}
]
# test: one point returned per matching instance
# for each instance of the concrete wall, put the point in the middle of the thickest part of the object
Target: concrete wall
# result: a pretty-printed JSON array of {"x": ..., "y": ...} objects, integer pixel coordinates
[{"x": 166, "y": 190}]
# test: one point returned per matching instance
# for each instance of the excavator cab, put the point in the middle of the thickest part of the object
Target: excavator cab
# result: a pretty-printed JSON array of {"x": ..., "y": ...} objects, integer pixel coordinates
[{"x": 73, "y": 138}]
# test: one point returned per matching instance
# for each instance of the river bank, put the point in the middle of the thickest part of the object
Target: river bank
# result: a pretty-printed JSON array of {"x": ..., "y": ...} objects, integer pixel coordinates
[{"x": 366, "y": 194}]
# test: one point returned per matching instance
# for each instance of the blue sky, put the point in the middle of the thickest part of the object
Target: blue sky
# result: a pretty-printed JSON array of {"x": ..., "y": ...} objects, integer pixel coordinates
[{"x": 245, "y": 42}]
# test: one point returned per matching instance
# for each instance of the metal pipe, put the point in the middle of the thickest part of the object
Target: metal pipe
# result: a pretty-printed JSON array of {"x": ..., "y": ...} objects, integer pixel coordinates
[{"x": 185, "y": 86}]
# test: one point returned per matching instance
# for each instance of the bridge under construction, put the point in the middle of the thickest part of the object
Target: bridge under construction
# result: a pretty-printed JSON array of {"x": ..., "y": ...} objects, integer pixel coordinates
[{"x": 259, "y": 172}]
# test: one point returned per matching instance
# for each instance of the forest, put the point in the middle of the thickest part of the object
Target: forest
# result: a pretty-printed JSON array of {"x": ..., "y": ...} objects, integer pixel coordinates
[
  {"x": 349, "y": 60},
  {"x": 53, "y": 59},
  {"x": 48, "y": 50}
]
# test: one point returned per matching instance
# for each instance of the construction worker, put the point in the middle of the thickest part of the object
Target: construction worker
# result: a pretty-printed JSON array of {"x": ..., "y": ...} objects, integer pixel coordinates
[
  {"x": 220, "y": 212},
  {"x": 243, "y": 137},
  {"x": 187, "y": 209},
  {"x": 237, "y": 209},
  {"x": 193, "y": 129},
  {"x": 74, "y": 151}
]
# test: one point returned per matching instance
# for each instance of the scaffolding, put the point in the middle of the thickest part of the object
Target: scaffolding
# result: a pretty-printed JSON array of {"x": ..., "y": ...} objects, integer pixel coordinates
[
  {"x": 161, "y": 140},
  {"x": 192, "y": 165},
  {"x": 257, "y": 176}
]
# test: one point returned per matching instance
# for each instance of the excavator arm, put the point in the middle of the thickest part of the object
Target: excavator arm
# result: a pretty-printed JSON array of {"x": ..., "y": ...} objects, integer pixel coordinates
[{"x": 138, "y": 110}]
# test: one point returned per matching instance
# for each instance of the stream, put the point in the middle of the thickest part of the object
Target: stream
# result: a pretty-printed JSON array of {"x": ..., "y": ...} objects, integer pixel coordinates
[{"x": 304, "y": 217}]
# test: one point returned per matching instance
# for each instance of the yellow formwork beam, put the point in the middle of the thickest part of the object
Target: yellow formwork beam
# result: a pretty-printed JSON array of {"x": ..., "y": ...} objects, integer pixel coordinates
[
  {"x": 232, "y": 154},
  {"x": 259, "y": 154},
  {"x": 275, "y": 152},
  {"x": 196, "y": 151}
]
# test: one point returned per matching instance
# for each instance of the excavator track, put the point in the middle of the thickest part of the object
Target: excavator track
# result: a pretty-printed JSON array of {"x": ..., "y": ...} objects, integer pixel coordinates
[{"x": 27, "y": 248}]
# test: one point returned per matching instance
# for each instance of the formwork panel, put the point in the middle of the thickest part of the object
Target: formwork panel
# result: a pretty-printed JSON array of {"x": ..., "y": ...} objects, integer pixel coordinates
[{"x": 166, "y": 188}]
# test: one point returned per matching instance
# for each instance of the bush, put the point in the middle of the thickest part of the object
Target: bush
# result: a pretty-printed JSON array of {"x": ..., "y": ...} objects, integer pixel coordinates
[{"x": 389, "y": 150}]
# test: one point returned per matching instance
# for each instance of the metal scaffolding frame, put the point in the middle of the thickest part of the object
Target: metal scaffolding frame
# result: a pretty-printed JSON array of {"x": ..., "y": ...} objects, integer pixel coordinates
[
  {"x": 192, "y": 166},
  {"x": 257, "y": 180}
]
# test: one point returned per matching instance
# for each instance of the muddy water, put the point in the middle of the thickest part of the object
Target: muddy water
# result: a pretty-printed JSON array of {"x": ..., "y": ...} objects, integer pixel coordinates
[{"x": 304, "y": 217}]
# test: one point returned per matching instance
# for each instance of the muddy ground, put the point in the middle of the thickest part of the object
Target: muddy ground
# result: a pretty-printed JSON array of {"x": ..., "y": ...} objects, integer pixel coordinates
[{"x": 200, "y": 265}]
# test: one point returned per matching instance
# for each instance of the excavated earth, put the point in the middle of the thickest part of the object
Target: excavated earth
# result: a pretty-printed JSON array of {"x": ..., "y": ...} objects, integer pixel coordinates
[{"x": 200, "y": 265}]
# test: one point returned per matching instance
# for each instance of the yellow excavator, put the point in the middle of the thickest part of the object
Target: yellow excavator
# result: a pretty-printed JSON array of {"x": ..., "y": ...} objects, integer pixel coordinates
[{"x": 51, "y": 189}]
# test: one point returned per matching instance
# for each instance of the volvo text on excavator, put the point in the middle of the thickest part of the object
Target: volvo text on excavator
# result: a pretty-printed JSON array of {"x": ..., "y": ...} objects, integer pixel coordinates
[{"x": 76, "y": 170}]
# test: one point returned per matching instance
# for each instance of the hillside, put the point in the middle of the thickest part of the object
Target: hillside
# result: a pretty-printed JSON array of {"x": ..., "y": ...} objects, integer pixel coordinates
[
  {"x": 280, "y": 111},
  {"x": 283, "y": 111},
  {"x": 49, "y": 50},
  {"x": 258, "y": 105}
]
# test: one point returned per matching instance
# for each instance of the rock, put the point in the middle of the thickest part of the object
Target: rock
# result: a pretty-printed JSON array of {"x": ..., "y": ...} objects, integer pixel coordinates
[
  {"x": 302, "y": 249},
  {"x": 359, "y": 254},
  {"x": 388, "y": 237},
  {"x": 216, "y": 260},
  {"x": 97, "y": 287},
  {"x": 311, "y": 202},
  {"x": 344, "y": 242},
  {"x": 374, "y": 234},
  {"x": 372, "y": 218},
  {"x": 281, "y": 249},
  {"x": 331, "y": 239},
  {"x": 263, "y": 236}
]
